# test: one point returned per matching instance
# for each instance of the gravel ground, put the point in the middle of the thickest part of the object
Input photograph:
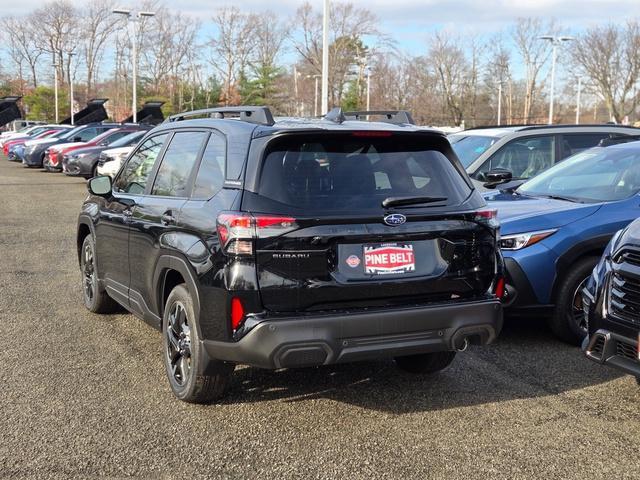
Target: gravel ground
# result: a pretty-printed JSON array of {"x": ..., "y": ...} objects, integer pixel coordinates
[{"x": 85, "y": 396}]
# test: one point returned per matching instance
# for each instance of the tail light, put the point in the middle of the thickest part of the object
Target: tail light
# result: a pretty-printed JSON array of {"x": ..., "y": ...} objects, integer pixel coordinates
[
  {"x": 53, "y": 157},
  {"x": 499, "y": 288},
  {"x": 5, "y": 149},
  {"x": 237, "y": 313},
  {"x": 237, "y": 231},
  {"x": 488, "y": 216}
]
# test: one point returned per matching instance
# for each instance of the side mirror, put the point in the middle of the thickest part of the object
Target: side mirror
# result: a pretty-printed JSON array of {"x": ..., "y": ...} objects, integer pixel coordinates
[
  {"x": 497, "y": 176},
  {"x": 100, "y": 186}
]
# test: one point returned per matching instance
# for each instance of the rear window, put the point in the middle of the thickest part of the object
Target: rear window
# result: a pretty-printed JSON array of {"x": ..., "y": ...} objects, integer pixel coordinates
[{"x": 344, "y": 173}]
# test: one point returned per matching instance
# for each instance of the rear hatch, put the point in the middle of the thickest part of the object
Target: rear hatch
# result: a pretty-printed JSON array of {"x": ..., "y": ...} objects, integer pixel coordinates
[{"x": 367, "y": 219}]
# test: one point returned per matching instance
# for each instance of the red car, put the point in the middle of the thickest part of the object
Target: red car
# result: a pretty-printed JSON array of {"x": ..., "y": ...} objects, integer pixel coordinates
[
  {"x": 19, "y": 141},
  {"x": 53, "y": 155}
]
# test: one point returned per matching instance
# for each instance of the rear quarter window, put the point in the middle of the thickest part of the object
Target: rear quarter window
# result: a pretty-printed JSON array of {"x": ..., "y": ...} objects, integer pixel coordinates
[{"x": 344, "y": 173}]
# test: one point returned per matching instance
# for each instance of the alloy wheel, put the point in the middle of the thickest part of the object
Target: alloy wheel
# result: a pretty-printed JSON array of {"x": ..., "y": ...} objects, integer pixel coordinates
[
  {"x": 577, "y": 312},
  {"x": 88, "y": 273},
  {"x": 178, "y": 347}
]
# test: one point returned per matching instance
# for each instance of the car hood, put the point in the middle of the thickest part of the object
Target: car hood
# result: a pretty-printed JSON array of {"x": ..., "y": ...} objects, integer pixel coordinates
[
  {"x": 520, "y": 213},
  {"x": 117, "y": 151},
  {"x": 88, "y": 150},
  {"x": 41, "y": 141}
]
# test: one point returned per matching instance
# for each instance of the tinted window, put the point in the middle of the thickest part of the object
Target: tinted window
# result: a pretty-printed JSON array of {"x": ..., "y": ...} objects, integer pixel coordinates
[
  {"x": 577, "y": 143},
  {"x": 177, "y": 164},
  {"x": 129, "y": 140},
  {"x": 342, "y": 173},
  {"x": 469, "y": 148},
  {"x": 595, "y": 175},
  {"x": 86, "y": 134},
  {"x": 524, "y": 157},
  {"x": 211, "y": 174},
  {"x": 134, "y": 176},
  {"x": 114, "y": 136}
]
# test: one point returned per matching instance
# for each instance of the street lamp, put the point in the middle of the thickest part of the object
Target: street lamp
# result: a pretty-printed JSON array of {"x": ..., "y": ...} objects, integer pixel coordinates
[
  {"x": 71, "y": 54},
  {"x": 133, "y": 19},
  {"x": 555, "y": 41},
  {"x": 325, "y": 57},
  {"x": 578, "y": 101},
  {"x": 499, "y": 102},
  {"x": 315, "y": 101},
  {"x": 55, "y": 85}
]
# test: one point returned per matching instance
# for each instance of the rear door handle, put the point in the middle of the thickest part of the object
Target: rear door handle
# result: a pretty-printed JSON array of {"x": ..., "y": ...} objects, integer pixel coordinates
[{"x": 167, "y": 218}]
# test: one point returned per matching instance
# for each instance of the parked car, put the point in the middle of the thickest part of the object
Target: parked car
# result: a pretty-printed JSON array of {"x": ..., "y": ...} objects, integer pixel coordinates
[
  {"x": 493, "y": 156},
  {"x": 302, "y": 243},
  {"x": 84, "y": 160},
  {"x": 556, "y": 226},
  {"x": 7, "y": 145},
  {"x": 35, "y": 149},
  {"x": 111, "y": 160},
  {"x": 611, "y": 301},
  {"x": 28, "y": 133}
]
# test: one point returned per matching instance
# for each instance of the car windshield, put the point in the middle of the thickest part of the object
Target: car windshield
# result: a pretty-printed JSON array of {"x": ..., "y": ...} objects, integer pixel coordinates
[
  {"x": 128, "y": 140},
  {"x": 595, "y": 175},
  {"x": 469, "y": 147},
  {"x": 71, "y": 133}
]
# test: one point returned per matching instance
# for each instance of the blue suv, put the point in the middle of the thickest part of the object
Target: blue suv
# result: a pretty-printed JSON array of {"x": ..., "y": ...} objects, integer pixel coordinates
[{"x": 556, "y": 226}]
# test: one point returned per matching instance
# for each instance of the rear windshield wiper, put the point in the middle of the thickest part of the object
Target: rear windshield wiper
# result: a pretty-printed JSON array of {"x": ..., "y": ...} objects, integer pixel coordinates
[{"x": 403, "y": 201}]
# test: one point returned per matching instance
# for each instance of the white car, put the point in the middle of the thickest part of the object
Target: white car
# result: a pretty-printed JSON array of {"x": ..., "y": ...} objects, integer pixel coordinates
[{"x": 111, "y": 160}]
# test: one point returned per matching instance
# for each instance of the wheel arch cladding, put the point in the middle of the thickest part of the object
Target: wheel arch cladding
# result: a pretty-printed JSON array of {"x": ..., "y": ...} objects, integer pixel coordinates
[
  {"x": 564, "y": 264},
  {"x": 83, "y": 232},
  {"x": 171, "y": 269}
]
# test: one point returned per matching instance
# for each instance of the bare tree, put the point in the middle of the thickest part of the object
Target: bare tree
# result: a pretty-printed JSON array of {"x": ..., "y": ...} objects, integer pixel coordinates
[
  {"x": 22, "y": 47},
  {"x": 609, "y": 56},
  {"x": 455, "y": 73},
  {"x": 98, "y": 25},
  {"x": 57, "y": 25},
  {"x": 231, "y": 48},
  {"x": 534, "y": 53},
  {"x": 348, "y": 25}
]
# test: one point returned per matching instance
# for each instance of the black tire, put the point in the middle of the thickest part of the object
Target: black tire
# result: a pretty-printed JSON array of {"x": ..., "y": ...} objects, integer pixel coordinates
[
  {"x": 184, "y": 356},
  {"x": 425, "y": 363},
  {"x": 95, "y": 299},
  {"x": 566, "y": 321}
]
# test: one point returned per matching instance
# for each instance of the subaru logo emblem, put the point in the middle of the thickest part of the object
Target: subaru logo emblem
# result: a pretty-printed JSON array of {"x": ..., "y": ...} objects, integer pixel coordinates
[{"x": 395, "y": 219}]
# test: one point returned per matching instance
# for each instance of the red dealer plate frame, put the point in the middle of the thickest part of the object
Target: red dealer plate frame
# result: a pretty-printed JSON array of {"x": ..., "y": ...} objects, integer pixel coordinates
[{"x": 389, "y": 259}]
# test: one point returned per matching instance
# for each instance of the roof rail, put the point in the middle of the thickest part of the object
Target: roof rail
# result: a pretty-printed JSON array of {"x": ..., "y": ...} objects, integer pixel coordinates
[
  {"x": 573, "y": 125},
  {"x": 486, "y": 127},
  {"x": 618, "y": 139},
  {"x": 398, "y": 117},
  {"x": 257, "y": 115}
]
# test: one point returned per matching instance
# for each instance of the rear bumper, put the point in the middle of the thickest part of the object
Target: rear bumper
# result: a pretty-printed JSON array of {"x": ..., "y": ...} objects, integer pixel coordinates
[
  {"x": 613, "y": 350},
  {"x": 328, "y": 339}
]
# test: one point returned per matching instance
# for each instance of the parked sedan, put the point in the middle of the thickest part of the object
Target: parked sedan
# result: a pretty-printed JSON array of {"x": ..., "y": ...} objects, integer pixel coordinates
[
  {"x": 9, "y": 144},
  {"x": 84, "y": 161},
  {"x": 53, "y": 155},
  {"x": 556, "y": 226},
  {"x": 611, "y": 302}
]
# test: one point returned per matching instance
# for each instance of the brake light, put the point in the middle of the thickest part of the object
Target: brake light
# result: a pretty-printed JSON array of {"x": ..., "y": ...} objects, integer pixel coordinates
[
  {"x": 237, "y": 313},
  {"x": 488, "y": 217},
  {"x": 372, "y": 134},
  {"x": 237, "y": 231},
  {"x": 499, "y": 288},
  {"x": 5, "y": 149}
]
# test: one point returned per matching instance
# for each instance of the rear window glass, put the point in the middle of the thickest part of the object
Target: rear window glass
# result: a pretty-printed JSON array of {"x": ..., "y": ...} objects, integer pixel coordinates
[{"x": 346, "y": 173}]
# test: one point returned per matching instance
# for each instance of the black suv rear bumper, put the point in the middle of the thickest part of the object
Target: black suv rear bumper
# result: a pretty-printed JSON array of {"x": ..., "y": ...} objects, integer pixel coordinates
[
  {"x": 614, "y": 350},
  {"x": 327, "y": 339}
]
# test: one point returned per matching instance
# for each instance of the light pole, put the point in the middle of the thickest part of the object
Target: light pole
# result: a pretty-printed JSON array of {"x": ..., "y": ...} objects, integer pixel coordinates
[
  {"x": 555, "y": 41},
  {"x": 368, "y": 89},
  {"x": 499, "y": 102},
  {"x": 325, "y": 57},
  {"x": 133, "y": 19},
  {"x": 71, "y": 54},
  {"x": 315, "y": 100},
  {"x": 578, "y": 101},
  {"x": 55, "y": 86}
]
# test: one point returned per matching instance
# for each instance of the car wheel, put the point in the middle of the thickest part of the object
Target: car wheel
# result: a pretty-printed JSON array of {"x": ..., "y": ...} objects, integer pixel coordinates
[
  {"x": 95, "y": 299},
  {"x": 184, "y": 355},
  {"x": 425, "y": 363},
  {"x": 568, "y": 321}
]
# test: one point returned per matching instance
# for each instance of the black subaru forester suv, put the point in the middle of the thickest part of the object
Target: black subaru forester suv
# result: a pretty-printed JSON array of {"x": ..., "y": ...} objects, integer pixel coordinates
[
  {"x": 611, "y": 301},
  {"x": 293, "y": 243}
]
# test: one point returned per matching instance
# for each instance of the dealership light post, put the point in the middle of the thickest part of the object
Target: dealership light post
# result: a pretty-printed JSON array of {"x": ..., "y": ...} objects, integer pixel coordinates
[
  {"x": 133, "y": 19},
  {"x": 325, "y": 57},
  {"x": 315, "y": 99},
  {"x": 499, "y": 102},
  {"x": 555, "y": 41},
  {"x": 71, "y": 54},
  {"x": 55, "y": 87},
  {"x": 578, "y": 101}
]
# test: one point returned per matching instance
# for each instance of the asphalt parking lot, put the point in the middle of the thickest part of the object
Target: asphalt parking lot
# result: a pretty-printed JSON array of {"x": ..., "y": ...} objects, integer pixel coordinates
[{"x": 84, "y": 396}]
